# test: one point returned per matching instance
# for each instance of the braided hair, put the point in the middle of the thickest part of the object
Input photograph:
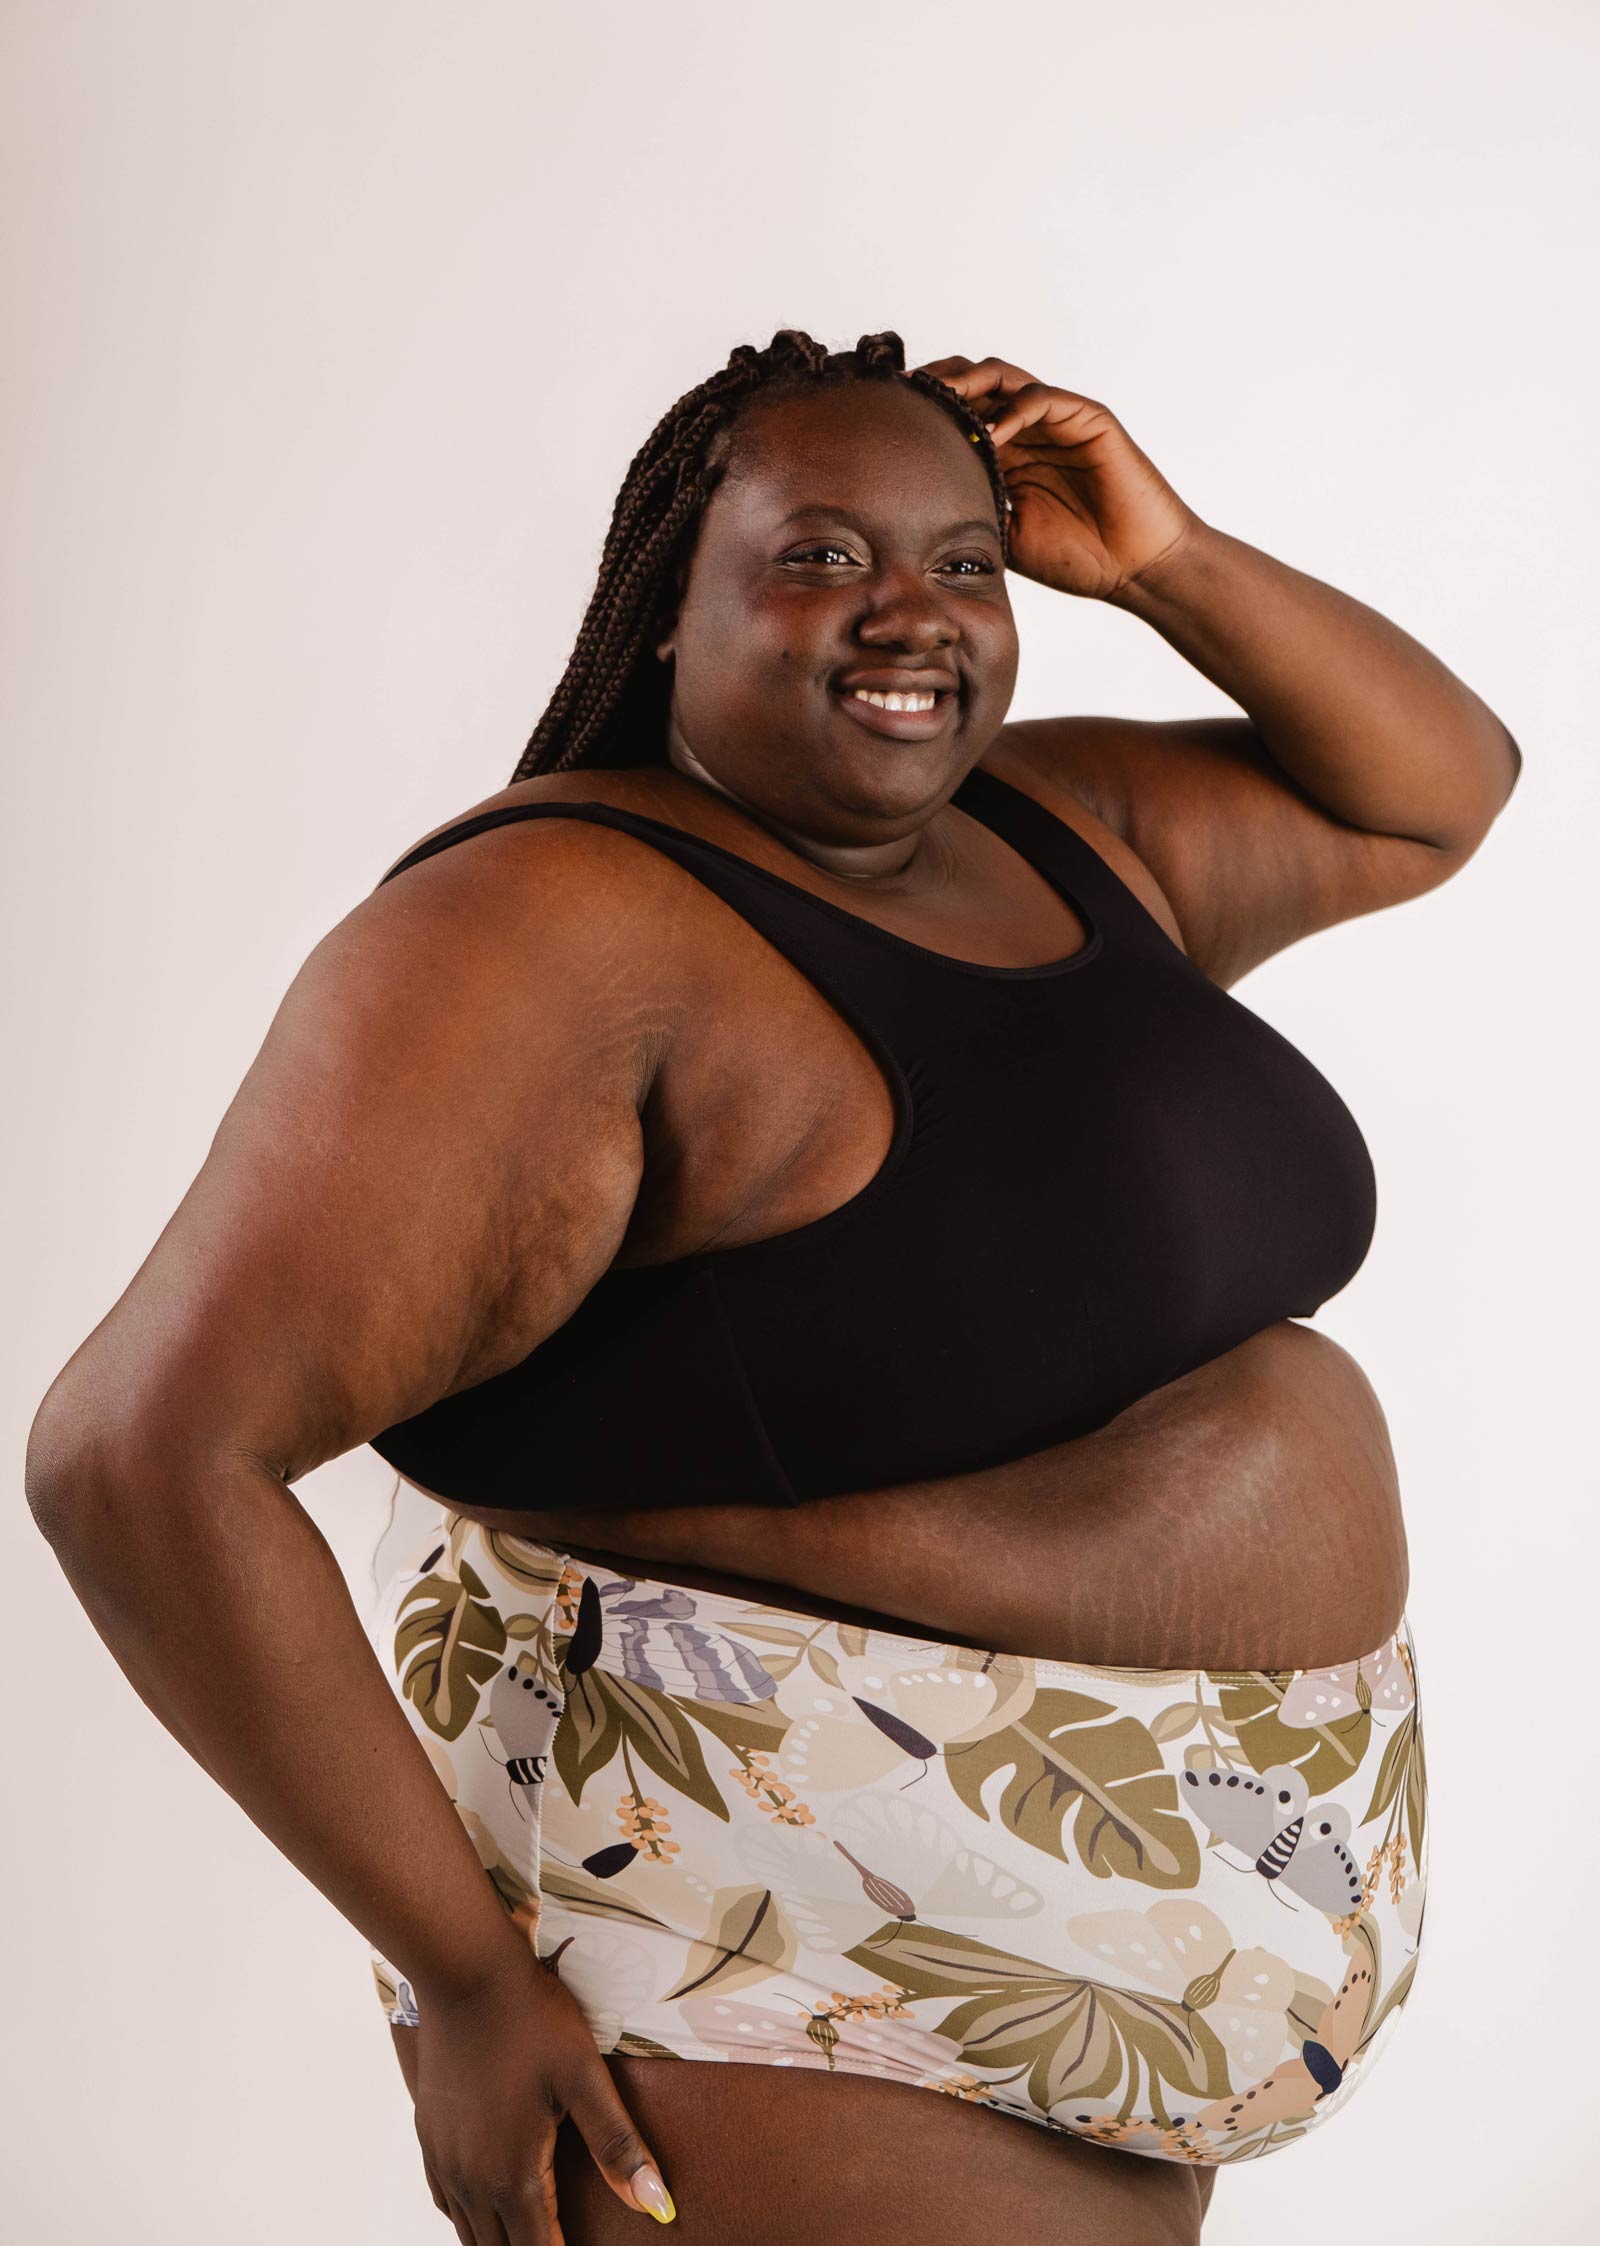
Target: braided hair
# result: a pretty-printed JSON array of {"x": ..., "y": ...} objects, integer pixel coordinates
[{"x": 612, "y": 703}]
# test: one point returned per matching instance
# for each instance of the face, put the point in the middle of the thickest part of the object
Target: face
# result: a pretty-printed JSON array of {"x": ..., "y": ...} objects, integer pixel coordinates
[{"x": 852, "y": 541}]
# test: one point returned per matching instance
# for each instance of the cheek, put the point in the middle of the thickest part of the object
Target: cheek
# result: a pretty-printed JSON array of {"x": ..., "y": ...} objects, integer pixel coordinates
[{"x": 998, "y": 651}]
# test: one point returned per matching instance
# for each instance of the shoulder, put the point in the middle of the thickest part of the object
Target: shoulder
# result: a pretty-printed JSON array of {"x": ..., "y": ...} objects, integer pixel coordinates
[
  {"x": 1028, "y": 755},
  {"x": 499, "y": 865},
  {"x": 516, "y": 930},
  {"x": 504, "y": 829}
]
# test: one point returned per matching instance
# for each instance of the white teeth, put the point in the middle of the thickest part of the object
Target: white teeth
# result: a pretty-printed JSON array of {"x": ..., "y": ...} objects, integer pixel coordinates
[{"x": 895, "y": 701}]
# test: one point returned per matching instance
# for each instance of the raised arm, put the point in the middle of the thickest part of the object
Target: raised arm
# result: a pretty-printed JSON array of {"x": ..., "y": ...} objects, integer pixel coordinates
[
  {"x": 1362, "y": 772},
  {"x": 431, "y": 1160}
]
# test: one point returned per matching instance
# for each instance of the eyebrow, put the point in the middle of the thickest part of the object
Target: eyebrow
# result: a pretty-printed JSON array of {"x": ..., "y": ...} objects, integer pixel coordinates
[{"x": 845, "y": 514}]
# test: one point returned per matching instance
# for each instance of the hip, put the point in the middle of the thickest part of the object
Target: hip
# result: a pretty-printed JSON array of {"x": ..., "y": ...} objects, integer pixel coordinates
[{"x": 1171, "y": 1909}]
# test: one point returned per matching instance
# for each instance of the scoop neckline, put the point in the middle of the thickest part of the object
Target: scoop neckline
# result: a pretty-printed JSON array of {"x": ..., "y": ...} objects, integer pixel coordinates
[{"x": 1044, "y": 970}]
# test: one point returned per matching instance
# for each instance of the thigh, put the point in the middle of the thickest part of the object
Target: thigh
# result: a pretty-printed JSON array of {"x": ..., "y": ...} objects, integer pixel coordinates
[
  {"x": 766, "y": 2156},
  {"x": 773, "y": 2156}
]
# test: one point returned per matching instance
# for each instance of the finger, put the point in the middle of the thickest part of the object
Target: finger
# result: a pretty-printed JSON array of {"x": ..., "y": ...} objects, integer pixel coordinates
[
  {"x": 529, "y": 2213},
  {"x": 943, "y": 370},
  {"x": 619, "y": 2152},
  {"x": 1030, "y": 405},
  {"x": 483, "y": 2224},
  {"x": 437, "y": 2189},
  {"x": 990, "y": 378},
  {"x": 460, "y": 2223}
]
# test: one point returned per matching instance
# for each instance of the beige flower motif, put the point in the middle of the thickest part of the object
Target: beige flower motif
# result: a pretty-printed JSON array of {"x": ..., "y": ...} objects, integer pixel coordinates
[
  {"x": 645, "y": 1823},
  {"x": 772, "y": 1795}
]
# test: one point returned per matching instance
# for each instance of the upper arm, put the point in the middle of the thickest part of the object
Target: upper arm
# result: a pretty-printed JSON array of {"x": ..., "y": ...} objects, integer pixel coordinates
[
  {"x": 431, "y": 1160},
  {"x": 1247, "y": 860}
]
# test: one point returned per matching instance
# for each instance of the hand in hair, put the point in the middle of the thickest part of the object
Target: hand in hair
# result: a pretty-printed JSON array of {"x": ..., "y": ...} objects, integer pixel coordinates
[{"x": 1089, "y": 511}]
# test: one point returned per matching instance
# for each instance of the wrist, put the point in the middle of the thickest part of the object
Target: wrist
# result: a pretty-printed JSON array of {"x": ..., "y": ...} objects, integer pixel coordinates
[
  {"x": 494, "y": 1960},
  {"x": 1172, "y": 578}
]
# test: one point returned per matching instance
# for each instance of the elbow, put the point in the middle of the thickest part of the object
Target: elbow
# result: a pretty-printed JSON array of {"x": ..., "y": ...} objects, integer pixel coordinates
[
  {"x": 80, "y": 1459},
  {"x": 1513, "y": 756},
  {"x": 1502, "y": 769},
  {"x": 1498, "y": 767},
  {"x": 63, "y": 1463}
]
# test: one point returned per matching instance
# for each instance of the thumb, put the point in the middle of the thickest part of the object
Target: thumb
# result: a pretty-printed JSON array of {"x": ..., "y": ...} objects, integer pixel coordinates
[{"x": 620, "y": 2153}]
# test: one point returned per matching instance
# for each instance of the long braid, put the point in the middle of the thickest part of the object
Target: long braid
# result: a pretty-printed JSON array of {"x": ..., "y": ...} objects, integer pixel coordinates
[{"x": 611, "y": 705}]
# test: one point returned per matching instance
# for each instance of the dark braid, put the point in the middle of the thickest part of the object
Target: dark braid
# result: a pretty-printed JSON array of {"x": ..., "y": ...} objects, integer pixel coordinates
[{"x": 611, "y": 705}]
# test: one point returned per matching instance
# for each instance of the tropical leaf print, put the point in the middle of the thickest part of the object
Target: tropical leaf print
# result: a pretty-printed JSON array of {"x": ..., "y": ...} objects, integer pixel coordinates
[
  {"x": 447, "y": 1645},
  {"x": 1104, "y": 1780},
  {"x": 1402, "y": 1777},
  {"x": 938, "y": 1962},
  {"x": 635, "y": 2046},
  {"x": 835, "y": 1835},
  {"x": 606, "y": 1714},
  {"x": 748, "y": 1940},
  {"x": 1076, "y": 2039},
  {"x": 1326, "y": 1755},
  {"x": 566, "y": 1887},
  {"x": 749, "y": 1726},
  {"x": 534, "y": 1567}
]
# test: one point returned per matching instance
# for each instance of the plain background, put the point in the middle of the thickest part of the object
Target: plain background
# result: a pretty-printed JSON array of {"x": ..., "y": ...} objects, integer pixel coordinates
[{"x": 330, "y": 331}]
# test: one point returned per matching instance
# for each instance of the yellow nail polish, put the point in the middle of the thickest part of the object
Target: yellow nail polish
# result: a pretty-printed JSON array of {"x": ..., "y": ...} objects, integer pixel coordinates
[{"x": 652, "y": 2194}]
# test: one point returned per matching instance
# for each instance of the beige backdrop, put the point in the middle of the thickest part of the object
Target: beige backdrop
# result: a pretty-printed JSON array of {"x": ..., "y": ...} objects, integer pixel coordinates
[{"x": 330, "y": 329}]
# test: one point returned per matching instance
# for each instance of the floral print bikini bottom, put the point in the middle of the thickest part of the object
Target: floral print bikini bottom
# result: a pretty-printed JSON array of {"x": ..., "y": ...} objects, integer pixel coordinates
[{"x": 1171, "y": 1910}]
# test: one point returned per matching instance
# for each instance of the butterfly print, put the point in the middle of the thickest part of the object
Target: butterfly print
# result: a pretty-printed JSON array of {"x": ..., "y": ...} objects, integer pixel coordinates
[
  {"x": 1381, "y": 1681},
  {"x": 1297, "y": 2086},
  {"x": 649, "y": 1634},
  {"x": 738, "y": 1832},
  {"x": 523, "y": 1714},
  {"x": 1270, "y": 1820}
]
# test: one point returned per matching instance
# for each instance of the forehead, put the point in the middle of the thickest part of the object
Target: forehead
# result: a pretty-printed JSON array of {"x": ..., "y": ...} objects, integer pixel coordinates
[{"x": 875, "y": 448}]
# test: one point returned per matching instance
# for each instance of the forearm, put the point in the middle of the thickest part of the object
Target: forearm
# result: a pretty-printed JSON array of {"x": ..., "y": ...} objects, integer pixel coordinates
[
  {"x": 226, "y": 1610},
  {"x": 1361, "y": 715}
]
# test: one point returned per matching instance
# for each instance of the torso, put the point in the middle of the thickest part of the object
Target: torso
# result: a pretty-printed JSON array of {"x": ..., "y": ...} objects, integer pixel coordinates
[{"x": 755, "y": 1130}]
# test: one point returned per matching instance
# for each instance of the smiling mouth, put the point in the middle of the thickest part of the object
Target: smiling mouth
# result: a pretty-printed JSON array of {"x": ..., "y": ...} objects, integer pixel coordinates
[{"x": 908, "y": 714}]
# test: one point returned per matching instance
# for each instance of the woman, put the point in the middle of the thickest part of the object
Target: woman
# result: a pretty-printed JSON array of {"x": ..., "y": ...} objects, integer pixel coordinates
[{"x": 891, "y": 1591}]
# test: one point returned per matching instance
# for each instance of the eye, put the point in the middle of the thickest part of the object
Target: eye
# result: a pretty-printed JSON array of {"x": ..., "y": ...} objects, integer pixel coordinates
[
  {"x": 808, "y": 553},
  {"x": 980, "y": 562}
]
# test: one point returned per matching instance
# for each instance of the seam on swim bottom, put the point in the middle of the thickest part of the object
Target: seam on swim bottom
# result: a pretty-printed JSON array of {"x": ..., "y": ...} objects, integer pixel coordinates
[{"x": 1172, "y": 1910}]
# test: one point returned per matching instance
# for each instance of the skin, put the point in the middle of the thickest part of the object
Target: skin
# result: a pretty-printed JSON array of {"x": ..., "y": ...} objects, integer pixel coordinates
[{"x": 361, "y": 1241}]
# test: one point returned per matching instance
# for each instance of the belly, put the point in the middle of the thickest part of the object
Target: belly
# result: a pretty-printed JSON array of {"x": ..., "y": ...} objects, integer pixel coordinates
[{"x": 1246, "y": 1516}]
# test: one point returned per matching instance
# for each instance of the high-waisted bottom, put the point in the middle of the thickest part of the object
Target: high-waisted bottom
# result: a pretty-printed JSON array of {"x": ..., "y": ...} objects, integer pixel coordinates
[{"x": 1173, "y": 1910}]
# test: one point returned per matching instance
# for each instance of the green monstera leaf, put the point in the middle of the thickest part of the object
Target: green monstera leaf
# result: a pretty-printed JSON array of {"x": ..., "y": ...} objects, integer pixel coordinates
[
  {"x": 1105, "y": 1782},
  {"x": 1325, "y": 1754},
  {"x": 447, "y": 1645},
  {"x": 1078, "y": 2039}
]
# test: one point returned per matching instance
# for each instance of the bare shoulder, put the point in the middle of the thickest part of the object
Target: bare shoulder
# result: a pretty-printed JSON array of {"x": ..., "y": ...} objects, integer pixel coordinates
[
  {"x": 593, "y": 891},
  {"x": 1015, "y": 757},
  {"x": 495, "y": 839}
]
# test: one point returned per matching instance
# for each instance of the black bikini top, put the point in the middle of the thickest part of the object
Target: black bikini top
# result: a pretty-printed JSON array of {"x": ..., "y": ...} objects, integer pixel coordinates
[{"x": 1104, "y": 1172}]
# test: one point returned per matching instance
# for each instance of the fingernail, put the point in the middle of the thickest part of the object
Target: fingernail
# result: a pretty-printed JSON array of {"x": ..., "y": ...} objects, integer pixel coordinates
[{"x": 652, "y": 2194}]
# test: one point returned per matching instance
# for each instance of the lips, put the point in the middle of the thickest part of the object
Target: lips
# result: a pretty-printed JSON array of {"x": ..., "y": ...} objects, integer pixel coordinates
[
  {"x": 903, "y": 724},
  {"x": 927, "y": 678}
]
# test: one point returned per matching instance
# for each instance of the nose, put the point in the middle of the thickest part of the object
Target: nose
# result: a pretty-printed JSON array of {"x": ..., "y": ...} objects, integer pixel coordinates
[{"x": 906, "y": 613}]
